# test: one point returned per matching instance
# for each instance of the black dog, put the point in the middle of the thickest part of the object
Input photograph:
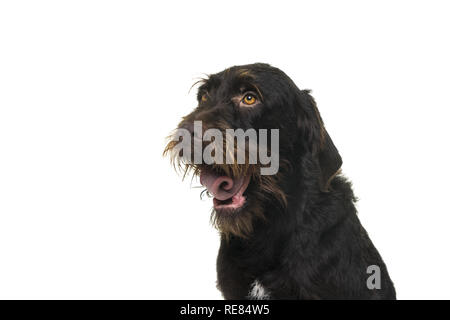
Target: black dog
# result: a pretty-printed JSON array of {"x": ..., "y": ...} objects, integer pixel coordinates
[{"x": 294, "y": 234}]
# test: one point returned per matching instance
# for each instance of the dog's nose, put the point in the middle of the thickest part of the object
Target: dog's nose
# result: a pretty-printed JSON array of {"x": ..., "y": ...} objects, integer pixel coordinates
[
  {"x": 189, "y": 126},
  {"x": 195, "y": 131}
]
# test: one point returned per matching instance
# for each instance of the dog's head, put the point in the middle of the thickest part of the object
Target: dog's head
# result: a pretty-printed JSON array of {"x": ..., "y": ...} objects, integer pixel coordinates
[{"x": 246, "y": 138}]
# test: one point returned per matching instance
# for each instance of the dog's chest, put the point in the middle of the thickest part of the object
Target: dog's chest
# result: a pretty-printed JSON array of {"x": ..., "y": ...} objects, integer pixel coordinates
[{"x": 257, "y": 291}]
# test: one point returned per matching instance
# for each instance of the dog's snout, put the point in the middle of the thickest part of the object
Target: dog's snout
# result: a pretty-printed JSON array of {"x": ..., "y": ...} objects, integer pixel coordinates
[
  {"x": 195, "y": 128},
  {"x": 189, "y": 126}
]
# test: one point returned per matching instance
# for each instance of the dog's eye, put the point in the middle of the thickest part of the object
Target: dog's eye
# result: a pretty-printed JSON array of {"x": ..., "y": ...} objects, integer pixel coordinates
[
  {"x": 249, "y": 99},
  {"x": 204, "y": 97}
]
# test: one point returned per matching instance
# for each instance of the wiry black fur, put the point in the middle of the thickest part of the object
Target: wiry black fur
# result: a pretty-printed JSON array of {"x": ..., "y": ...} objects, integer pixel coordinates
[{"x": 313, "y": 246}]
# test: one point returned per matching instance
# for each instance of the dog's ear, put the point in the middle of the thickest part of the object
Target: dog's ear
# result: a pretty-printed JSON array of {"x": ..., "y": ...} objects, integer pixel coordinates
[
  {"x": 330, "y": 161},
  {"x": 321, "y": 145}
]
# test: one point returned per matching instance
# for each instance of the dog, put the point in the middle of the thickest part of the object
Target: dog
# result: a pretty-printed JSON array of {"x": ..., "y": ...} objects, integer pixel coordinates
[{"x": 292, "y": 234}]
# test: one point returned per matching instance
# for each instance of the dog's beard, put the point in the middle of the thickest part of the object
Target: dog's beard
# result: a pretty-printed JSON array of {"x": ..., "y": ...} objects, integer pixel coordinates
[
  {"x": 229, "y": 219},
  {"x": 240, "y": 222}
]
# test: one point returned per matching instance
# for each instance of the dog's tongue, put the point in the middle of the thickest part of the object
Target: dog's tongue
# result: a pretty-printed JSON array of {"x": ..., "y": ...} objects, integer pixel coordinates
[{"x": 222, "y": 187}]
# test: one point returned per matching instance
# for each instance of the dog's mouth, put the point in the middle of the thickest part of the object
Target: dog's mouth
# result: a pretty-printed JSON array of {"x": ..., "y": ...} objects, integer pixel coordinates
[{"x": 228, "y": 192}]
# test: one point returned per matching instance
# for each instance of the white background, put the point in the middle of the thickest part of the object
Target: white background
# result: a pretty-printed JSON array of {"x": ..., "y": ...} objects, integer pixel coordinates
[{"x": 89, "y": 208}]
